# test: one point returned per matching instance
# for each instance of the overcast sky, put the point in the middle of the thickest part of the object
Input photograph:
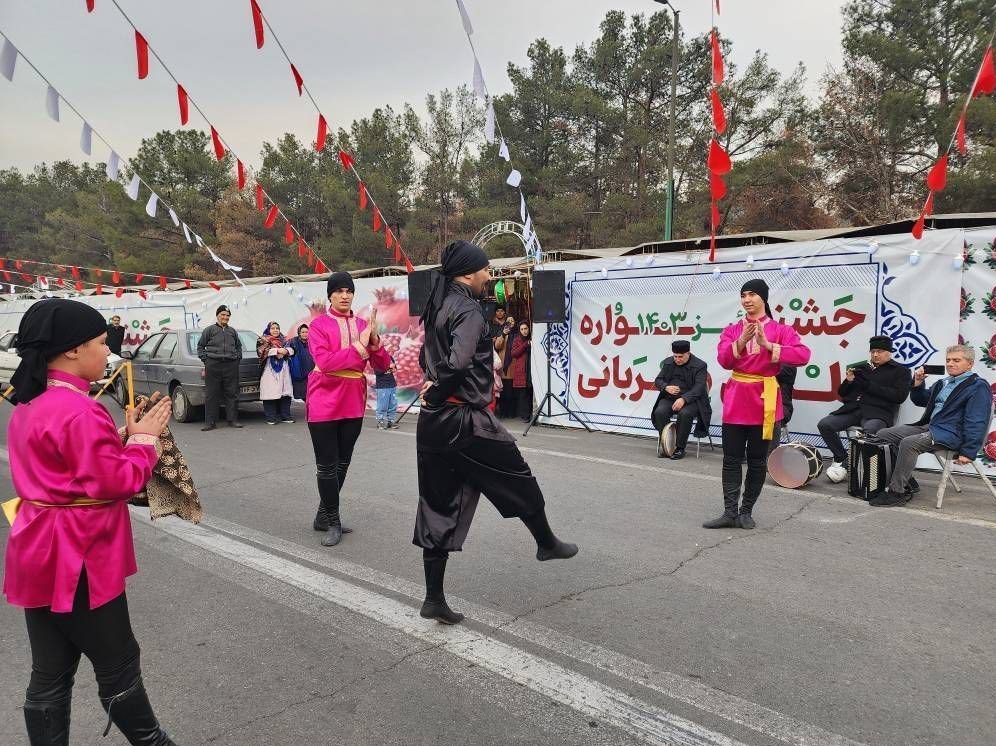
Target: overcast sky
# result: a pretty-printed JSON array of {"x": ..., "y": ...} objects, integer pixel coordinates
[{"x": 354, "y": 56}]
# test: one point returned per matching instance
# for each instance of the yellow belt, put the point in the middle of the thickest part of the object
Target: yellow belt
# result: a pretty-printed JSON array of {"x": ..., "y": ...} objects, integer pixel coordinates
[
  {"x": 12, "y": 506},
  {"x": 769, "y": 396},
  {"x": 340, "y": 373}
]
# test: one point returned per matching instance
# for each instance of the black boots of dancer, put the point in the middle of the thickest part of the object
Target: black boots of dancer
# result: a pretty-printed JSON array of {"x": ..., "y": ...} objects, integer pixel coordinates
[
  {"x": 548, "y": 546},
  {"x": 48, "y": 722},
  {"x": 435, "y": 606},
  {"x": 330, "y": 480},
  {"x": 737, "y": 514},
  {"x": 131, "y": 711}
]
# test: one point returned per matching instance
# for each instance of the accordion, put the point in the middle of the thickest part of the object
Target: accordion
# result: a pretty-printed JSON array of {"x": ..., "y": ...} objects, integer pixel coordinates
[{"x": 869, "y": 467}]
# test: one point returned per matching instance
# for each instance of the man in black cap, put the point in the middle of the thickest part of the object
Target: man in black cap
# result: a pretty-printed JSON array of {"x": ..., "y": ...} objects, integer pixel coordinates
[
  {"x": 115, "y": 335},
  {"x": 220, "y": 349},
  {"x": 684, "y": 393},
  {"x": 871, "y": 394},
  {"x": 462, "y": 449}
]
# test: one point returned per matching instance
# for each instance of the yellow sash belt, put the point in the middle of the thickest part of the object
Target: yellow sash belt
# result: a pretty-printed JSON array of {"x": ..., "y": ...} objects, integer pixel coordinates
[
  {"x": 340, "y": 373},
  {"x": 12, "y": 506},
  {"x": 769, "y": 396}
]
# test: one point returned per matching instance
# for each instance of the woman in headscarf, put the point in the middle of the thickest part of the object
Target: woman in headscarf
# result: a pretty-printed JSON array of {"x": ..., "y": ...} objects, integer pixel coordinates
[
  {"x": 755, "y": 348},
  {"x": 522, "y": 377},
  {"x": 70, "y": 546},
  {"x": 275, "y": 386},
  {"x": 342, "y": 344}
]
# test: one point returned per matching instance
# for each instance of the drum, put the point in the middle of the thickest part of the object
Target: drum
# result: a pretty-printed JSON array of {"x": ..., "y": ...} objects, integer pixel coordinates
[
  {"x": 794, "y": 465},
  {"x": 667, "y": 443}
]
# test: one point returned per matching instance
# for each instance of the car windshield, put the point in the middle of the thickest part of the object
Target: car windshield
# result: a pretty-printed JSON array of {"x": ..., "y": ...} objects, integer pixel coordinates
[{"x": 248, "y": 343}]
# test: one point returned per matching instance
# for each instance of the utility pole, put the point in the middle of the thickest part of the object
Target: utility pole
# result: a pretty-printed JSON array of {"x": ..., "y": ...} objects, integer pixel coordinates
[{"x": 669, "y": 210}]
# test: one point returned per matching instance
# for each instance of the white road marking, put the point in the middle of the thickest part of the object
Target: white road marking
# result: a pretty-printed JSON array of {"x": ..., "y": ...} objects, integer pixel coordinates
[
  {"x": 727, "y": 706},
  {"x": 642, "y": 720}
]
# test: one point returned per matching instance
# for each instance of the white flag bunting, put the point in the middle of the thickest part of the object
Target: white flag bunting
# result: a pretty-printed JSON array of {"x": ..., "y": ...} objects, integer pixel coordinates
[
  {"x": 489, "y": 123},
  {"x": 113, "y": 163},
  {"x": 150, "y": 206},
  {"x": 503, "y": 151},
  {"x": 8, "y": 59},
  {"x": 186, "y": 233},
  {"x": 465, "y": 17},
  {"x": 86, "y": 139},
  {"x": 479, "y": 88},
  {"x": 514, "y": 179},
  {"x": 52, "y": 103},
  {"x": 174, "y": 218},
  {"x": 132, "y": 189}
]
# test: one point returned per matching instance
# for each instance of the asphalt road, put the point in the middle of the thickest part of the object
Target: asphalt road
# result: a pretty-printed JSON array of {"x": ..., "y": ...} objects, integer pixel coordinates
[{"x": 832, "y": 623}]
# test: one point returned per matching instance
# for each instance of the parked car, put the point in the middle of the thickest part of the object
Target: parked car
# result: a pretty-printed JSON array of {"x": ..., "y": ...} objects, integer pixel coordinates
[
  {"x": 9, "y": 360},
  {"x": 167, "y": 362}
]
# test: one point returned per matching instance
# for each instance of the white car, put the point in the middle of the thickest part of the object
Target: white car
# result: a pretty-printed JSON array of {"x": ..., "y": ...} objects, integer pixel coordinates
[{"x": 9, "y": 360}]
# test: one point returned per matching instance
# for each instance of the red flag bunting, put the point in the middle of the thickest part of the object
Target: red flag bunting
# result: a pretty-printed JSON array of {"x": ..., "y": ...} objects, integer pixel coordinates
[
  {"x": 719, "y": 160},
  {"x": 347, "y": 159},
  {"x": 100, "y": 272},
  {"x": 116, "y": 277},
  {"x": 320, "y": 267},
  {"x": 397, "y": 253},
  {"x": 717, "y": 187},
  {"x": 162, "y": 282},
  {"x": 985, "y": 80},
  {"x": 186, "y": 284},
  {"x": 219, "y": 149},
  {"x": 718, "y": 113},
  {"x": 717, "y": 7},
  {"x": 89, "y": 6},
  {"x": 79, "y": 286},
  {"x": 181, "y": 96},
  {"x": 242, "y": 174},
  {"x": 717, "y": 60},
  {"x": 259, "y": 197},
  {"x": 377, "y": 221},
  {"x": 960, "y": 135},
  {"x": 138, "y": 277},
  {"x": 288, "y": 233},
  {"x": 6, "y": 275},
  {"x": 388, "y": 239},
  {"x": 271, "y": 217},
  {"x": 257, "y": 22},
  {"x": 363, "y": 196},
  {"x": 119, "y": 292},
  {"x": 60, "y": 282},
  {"x": 145, "y": 296},
  {"x": 408, "y": 265},
  {"x": 3, "y": 264},
  {"x": 311, "y": 258},
  {"x": 298, "y": 80},
  {"x": 715, "y": 216},
  {"x": 301, "y": 248},
  {"x": 100, "y": 289},
  {"x": 938, "y": 175},
  {"x": 215, "y": 285},
  {"x": 712, "y": 247},
  {"x": 323, "y": 131},
  {"x": 18, "y": 264},
  {"x": 918, "y": 227},
  {"x": 142, "y": 50},
  {"x": 76, "y": 272},
  {"x": 928, "y": 206}
]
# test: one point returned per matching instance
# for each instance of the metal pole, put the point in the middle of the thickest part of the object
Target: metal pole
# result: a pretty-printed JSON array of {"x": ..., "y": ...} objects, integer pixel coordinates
[{"x": 669, "y": 213}]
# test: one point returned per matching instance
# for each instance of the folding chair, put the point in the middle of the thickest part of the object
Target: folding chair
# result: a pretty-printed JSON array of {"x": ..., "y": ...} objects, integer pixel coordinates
[{"x": 946, "y": 459}]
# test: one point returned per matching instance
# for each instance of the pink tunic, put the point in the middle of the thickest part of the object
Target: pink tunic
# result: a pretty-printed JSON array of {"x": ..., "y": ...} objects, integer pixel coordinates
[
  {"x": 334, "y": 341},
  {"x": 742, "y": 403},
  {"x": 65, "y": 446}
]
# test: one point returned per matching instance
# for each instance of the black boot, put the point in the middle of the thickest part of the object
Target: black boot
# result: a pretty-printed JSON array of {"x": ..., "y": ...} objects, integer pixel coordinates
[
  {"x": 321, "y": 522},
  {"x": 435, "y": 606},
  {"x": 48, "y": 722},
  {"x": 334, "y": 533},
  {"x": 548, "y": 546},
  {"x": 732, "y": 475},
  {"x": 132, "y": 713}
]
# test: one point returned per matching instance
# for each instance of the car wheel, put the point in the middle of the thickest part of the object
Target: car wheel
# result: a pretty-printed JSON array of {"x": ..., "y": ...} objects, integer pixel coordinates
[
  {"x": 182, "y": 409},
  {"x": 121, "y": 391}
]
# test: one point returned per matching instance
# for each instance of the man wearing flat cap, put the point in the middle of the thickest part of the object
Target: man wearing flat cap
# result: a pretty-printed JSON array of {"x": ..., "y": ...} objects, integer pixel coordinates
[
  {"x": 684, "y": 394},
  {"x": 220, "y": 349},
  {"x": 871, "y": 394}
]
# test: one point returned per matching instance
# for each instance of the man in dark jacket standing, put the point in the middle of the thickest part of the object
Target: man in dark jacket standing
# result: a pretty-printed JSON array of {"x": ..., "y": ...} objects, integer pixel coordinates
[
  {"x": 957, "y": 410},
  {"x": 220, "y": 349},
  {"x": 684, "y": 393},
  {"x": 115, "y": 335},
  {"x": 872, "y": 394},
  {"x": 462, "y": 450}
]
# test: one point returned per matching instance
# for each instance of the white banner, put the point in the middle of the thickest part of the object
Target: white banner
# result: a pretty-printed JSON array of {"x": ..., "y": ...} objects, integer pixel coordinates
[{"x": 978, "y": 316}]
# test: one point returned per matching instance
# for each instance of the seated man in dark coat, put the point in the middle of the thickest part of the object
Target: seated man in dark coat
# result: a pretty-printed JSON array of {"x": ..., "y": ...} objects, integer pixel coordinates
[
  {"x": 872, "y": 393},
  {"x": 682, "y": 383}
]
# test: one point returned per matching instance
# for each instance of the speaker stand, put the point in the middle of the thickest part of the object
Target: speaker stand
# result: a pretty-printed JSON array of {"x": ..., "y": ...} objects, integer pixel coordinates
[{"x": 549, "y": 397}]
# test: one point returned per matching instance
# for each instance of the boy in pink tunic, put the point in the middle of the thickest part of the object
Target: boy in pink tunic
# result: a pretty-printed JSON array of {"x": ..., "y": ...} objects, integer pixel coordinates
[
  {"x": 754, "y": 348},
  {"x": 70, "y": 545}
]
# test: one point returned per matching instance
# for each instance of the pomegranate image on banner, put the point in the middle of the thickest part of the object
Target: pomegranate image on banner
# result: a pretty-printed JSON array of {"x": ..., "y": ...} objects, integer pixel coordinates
[{"x": 989, "y": 448}]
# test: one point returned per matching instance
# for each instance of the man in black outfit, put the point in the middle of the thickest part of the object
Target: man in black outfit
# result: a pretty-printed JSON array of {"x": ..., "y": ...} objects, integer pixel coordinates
[
  {"x": 682, "y": 383},
  {"x": 462, "y": 450},
  {"x": 115, "y": 335},
  {"x": 871, "y": 393},
  {"x": 220, "y": 349}
]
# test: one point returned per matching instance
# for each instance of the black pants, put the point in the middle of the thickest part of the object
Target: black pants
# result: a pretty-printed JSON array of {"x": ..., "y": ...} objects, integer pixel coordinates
[
  {"x": 277, "y": 409},
  {"x": 300, "y": 388},
  {"x": 740, "y": 443},
  {"x": 221, "y": 381},
  {"x": 508, "y": 402},
  {"x": 524, "y": 403},
  {"x": 103, "y": 635},
  {"x": 831, "y": 426},
  {"x": 451, "y": 483},
  {"x": 333, "y": 443},
  {"x": 663, "y": 413}
]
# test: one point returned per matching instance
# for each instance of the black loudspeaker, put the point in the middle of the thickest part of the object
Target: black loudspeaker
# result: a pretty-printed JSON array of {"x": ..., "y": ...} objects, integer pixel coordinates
[
  {"x": 419, "y": 287},
  {"x": 549, "y": 303}
]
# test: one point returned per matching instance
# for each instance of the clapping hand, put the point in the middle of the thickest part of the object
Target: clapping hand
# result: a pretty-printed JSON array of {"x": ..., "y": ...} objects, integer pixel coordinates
[
  {"x": 762, "y": 340},
  {"x": 372, "y": 326},
  {"x": 149, "y": 418},
  {"x": 749, "y": 331}
]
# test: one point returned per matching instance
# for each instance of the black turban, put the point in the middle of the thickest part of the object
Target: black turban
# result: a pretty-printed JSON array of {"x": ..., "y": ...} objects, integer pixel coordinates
[
  {"x": 47, "y": 329},
  {"x": 880, "y": 343},
  {"x": 758, "y": 287},
  {"x": 338, "y": 281},
  {"x": 458, "y": 259},
  {"x": 681, "y": 346}
]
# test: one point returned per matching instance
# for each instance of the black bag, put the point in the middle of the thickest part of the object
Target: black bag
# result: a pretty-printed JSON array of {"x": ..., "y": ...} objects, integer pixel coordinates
[{"x": 869, "y": 467}]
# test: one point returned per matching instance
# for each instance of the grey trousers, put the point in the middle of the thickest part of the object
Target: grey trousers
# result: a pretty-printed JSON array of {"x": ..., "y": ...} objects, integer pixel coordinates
[{"x": 908, "y": 442}]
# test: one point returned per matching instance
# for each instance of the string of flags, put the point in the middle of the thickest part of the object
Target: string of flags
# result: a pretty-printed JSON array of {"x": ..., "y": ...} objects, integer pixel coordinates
[
  {"x": 493, "y": 133},
  {"x": 984, "y": 84},
  {"x": 718, "y": 160},
  {"x": 392, "y": 241},
  {"x": 9, "y": 55}
]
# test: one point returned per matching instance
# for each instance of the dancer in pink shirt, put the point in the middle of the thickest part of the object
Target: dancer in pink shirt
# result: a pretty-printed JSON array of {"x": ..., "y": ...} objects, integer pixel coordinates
[
  {"x": 70, "y": 545},
  {"x": 754, "y": 348}
]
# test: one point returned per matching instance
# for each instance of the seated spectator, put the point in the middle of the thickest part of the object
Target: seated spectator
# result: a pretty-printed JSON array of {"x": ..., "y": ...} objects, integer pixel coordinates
[
  {"x": 871, "y": 393},
  {"x": 684, "y": 394},
  {"x": 957, "y": 410}
]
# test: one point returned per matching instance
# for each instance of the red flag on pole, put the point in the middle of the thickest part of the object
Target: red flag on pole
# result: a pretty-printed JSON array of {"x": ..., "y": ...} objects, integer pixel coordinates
[
  {"x": 298, "y": 80},
  {"x": 288, "y": 233},
  {"x": 271, "y": 217},
  {"x": 323, "y": 131},
  {"x": 242, "y": 174},
  {"x": 259, "y": 197},
  {"x": 311, "y": 258},
  {"x": 181, "y": 96},
  {"x": 219, "y": 149},
  {"x": 960, "y": 135},
  {"x": 938, "y": 175},
  {"x": 718, "y": 113},
  {"x": 719, "y": 160},
  {"x": 717, "y": 60},
  {"x": 347, "y": 160},
  {"x": 142, "y": 50},
  {"x": 985, "y": 80},
  {"x": 257, "y": 22}
]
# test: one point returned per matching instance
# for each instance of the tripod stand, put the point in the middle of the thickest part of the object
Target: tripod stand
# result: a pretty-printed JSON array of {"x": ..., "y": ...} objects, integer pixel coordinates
[{"x": 549, "y": 397}]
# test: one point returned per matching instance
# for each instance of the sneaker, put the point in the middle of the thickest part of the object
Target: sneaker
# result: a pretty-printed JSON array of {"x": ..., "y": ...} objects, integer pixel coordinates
[
  {"x": 390, "y": 425},
  {"x": 913, "y": 486},
  {"x": 889, "y": 499},
  {"x": 271, "y": 422},
  {"x": 380, "y": 425},
  {"x": 288, "y": 420},
  {"x": 837, "y": 472}
]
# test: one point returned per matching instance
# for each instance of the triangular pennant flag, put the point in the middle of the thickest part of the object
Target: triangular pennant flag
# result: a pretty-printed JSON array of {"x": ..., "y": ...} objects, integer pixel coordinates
[
  {"x": 52, "y": 103},
  {"x": 717, "y": 7},
  {"x": 323, "y": 131},
  {"x": 719, "y": 160},
  {"x": 43, "y": 282},
  {"x": 143, "y": 294},
  {"x": 100, "y": 289},
  {"x": 6, "y": 275},
  {"x": 259, "y": 197},
  {"x": 479, "y": 88},
  {"x": 79, "y": 286},
  {"x": 150, "y": 207},
  {"x": 119, "y": 292},
  {"x": 219, "y": 149},
  {"x": 142, "y": 51},
  {"x": 717, "y": 60},
  {"x": 397, "y": 252},
  {"x": 257, "y": 22},
  {"x": 288, "y": 233},
  {"x": 8, "y": 59},
  {"x": 86, "y": 139},
  {"x": 186, "y": 233},
  {"x": 717, "y": 187},
  {"x": 186, "y": 284},
  {"x": 181, "y": 97},
  {"x": 18, "y": 264},
  {"x": 162, "y": 282},
  {"x": 320, "y": 267},
  {"x": 489, "y": 123},
  {"x": 113, "y": 164},
  {"x": 388, "y": 239},
  {"x": 242, "y": 174},
  {"x": 522, "y": 207},
  {"x": 116, "y": 277},
  {"x": 199, "y": 240},
  {"x": 132, "y": 190},
  {"x": 960, "y": 135},
  {"x": 377, "y": 221},
  {"x": 271, "y": 217},
  {"x": 918, "y": 227},
  {"x": 298, "y": 80},
  {"x": 138, "y": 277},
  {"x": 718, "y": 113},
  {"x": 985, "y": 79},
  {"x": 503, "y": 151},
  {"x": 514, "y": 179},
  {"x": 928, "y": 206},
  {"x": 938, "y": 176},
  {"x": 363, "y": 196},
  {"x": 311, "y": 258},
  {"x": 60, "y": 282},
  {"x": 27, "y": 278},
  {"x": 301, "y": 249},
  {"x": 408, "y": 265},
  {"x": 89, "y": 6},
  {"x": 346, "y": 159},
  {"x": 465, "y": 18},
  {"x": 76, "y": 273}
]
